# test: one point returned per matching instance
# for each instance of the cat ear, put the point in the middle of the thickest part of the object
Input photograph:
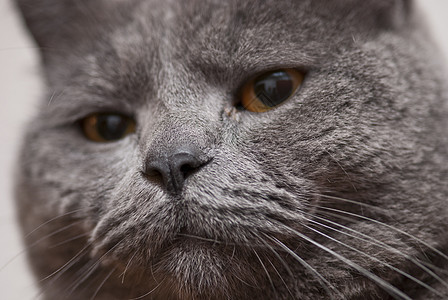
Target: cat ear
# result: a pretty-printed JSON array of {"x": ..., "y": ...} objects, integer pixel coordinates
[{"x": 58, "y": 25}]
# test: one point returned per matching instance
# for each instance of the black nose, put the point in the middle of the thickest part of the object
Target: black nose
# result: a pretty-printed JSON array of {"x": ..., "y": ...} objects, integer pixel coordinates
[{"x": 173, "y": 168}]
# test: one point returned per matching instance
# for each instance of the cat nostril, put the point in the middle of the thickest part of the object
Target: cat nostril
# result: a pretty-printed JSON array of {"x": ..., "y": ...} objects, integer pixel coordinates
[
  {"x": 187, "y": 170},
  {"x": 174, "y": 168},
  {"x": 157, "y": 170}
]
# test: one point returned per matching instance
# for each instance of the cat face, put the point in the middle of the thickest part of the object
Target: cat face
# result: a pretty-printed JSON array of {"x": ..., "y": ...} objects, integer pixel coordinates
[{"x": 160, "y": 171}]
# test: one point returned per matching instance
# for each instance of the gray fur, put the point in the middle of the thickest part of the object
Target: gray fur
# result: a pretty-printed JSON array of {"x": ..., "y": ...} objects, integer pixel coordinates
[{"x": 363, "y": 144}]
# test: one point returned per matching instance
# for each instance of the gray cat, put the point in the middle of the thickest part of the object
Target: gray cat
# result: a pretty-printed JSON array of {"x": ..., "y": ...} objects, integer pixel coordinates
[{"x": 236, "y": 150}]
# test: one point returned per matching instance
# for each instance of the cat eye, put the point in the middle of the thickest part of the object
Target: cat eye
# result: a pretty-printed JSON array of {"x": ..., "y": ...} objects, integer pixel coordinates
[
  {"x": 270, "y": 89},
  {"x": 107, "y": 127}
]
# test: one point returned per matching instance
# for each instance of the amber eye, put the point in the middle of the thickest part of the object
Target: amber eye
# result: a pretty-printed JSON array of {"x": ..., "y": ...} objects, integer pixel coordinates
[
  {"x": 270, "y": 89},
  {"x": 107, "y": 127}
]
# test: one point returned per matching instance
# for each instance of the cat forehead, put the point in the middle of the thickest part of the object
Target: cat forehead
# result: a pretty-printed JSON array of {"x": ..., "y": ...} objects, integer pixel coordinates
[
  {"x": 210, "y": 35},
  {"x": 70, "y": 23},
  {"x": 104, "y": 42},
  {"x": 261, "y": 11},
  {"x": 213, "y": 30},
  {"x": 279, "y": 15}
]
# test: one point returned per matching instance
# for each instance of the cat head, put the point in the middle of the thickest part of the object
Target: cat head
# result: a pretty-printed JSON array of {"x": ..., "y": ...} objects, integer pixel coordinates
[{"x": 156, "y": 155}]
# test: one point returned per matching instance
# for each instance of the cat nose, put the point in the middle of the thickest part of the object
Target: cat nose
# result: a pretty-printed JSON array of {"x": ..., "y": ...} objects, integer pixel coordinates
[{"x": 175, "y": 167}]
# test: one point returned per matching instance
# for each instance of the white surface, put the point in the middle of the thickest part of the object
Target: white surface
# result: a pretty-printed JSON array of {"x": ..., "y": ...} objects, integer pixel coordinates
[{"x": 19, "y": 89}]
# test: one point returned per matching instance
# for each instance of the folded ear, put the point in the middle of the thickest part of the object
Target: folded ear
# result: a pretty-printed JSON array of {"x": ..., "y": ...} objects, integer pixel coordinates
[{"x": 58, "y": 25}]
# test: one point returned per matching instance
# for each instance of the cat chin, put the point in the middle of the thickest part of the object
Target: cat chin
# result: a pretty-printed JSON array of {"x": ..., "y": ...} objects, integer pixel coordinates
[
  {"x": 189, "y": 268},
  {"x": 200, "y": 270}
]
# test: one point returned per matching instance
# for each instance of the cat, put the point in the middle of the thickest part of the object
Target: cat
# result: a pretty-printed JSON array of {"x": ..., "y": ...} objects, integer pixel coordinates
[{"x": 236, "y": 150}]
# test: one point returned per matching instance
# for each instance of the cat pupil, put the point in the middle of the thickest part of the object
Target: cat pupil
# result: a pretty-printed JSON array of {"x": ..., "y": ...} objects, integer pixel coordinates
[
  {"x": 111, "y": 127},
  {"x": 273, "y": 88}
]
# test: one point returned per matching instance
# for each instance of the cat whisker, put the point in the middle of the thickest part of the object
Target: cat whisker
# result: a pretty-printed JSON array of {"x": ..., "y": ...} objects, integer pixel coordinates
[
  {"x": 52, "y": 220},
  {"x": 389, "y": 288},
  {"x": 281, "y": 278},
  {"x": 337, "y": 211},
  {"x": 340, "y": 166},
  {"x": 55, "y": 96},
  {"x": 122, "y": 275},
  {"x": 231, "y": 258},
  {"x": 21, "y": 252},
  {"x": 233, "y": 253},
  {"x": 79, "y": 236},
  {"x": 25, "y": 249},
  {"x": 50, "y": 100},
  {"x": 351, "y": 201},
  {"x": 375, "y": 242},
  {"x": 371, "y": 257},
  {"x": 102, "y": 284},
  {"x": 265, "y": 269},
  {"x": 60, "y": 271},
  {"x": 91, "y": 268},
  {"x": 328, "y": 287},
  {"x": 282, "y": 261},
  {"x": 434, "y": 267},
  {"x": 83, "y": 274},
  {"x": 148, "y": 293},
  {"x": 215, "y": 241},
  {"x": 151, "y": 267},
  {"x": 59, "y": 230},
  {"x": 68, "y": 264},
  {"x": 226, "y": 243},
  {"x": 244, "y": 282}
]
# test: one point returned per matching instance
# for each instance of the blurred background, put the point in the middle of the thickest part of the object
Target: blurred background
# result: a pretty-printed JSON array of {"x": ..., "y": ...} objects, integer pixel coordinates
[{"x": 20, "y": 87}]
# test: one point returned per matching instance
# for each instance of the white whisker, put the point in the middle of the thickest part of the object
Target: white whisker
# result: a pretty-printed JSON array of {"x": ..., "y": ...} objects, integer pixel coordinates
[
  {"x": 372, "y": 257},
  {"x": 388, "y": 226},
  {"x": 90, "y": 270},
  {"x": 281, "y": 277},
  {"x": 285, "y": 265},
  {"x": 68, "y": 264},
  {"x": 127, "y": 266},
  {"x": 370, "y": 206},
  {"x": 265, "y": 270},
  {"x": 200, "y": 238},
  {"x": 25, "y": 249},
  {"x": 392, "y": 290},
  {"x": 52, "y": 220},
  {"x": 76, "y": 237},
  {"x": 102, "y": 284},
  {"x": 324, "y": 282},
  {"x": 148, "y": 293},
  {"x": 377, "y": 243}
]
